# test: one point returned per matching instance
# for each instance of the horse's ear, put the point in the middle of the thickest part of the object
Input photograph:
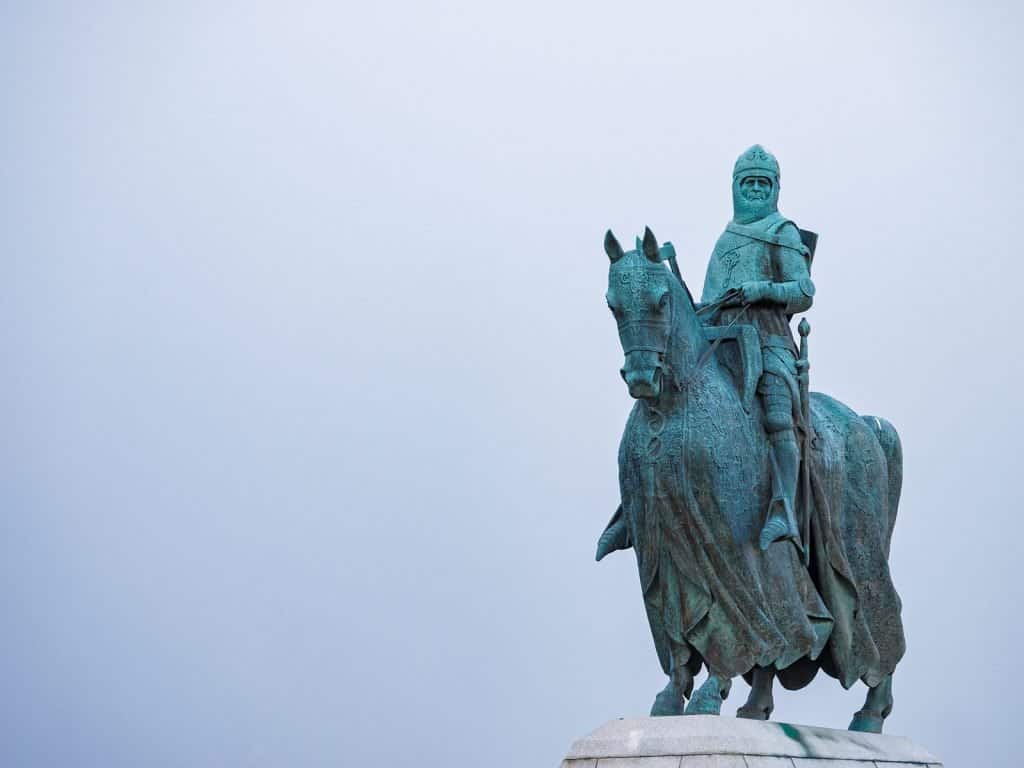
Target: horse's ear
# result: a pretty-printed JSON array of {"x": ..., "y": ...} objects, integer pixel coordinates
[
  {"x": 612, "y": 247},
  {"x": 651, "y": 246}
]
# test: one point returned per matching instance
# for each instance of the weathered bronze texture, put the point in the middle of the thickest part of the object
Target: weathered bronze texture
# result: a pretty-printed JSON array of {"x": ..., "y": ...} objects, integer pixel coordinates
[{"x": 761, "y": 524}]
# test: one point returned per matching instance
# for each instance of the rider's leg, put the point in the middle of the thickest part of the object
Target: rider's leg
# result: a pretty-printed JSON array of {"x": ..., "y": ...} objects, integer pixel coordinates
[{"x": 778, "y": 408}]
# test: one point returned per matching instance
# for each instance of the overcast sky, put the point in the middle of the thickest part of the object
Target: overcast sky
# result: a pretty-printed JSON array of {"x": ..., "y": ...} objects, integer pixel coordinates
[{"x": 311, "y": 396}]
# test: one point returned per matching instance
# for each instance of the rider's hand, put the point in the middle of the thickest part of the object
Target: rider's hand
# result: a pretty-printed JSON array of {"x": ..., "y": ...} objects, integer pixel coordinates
[
  {"x": 731, "y": 298},
  {"x": 756, "y": 291}
]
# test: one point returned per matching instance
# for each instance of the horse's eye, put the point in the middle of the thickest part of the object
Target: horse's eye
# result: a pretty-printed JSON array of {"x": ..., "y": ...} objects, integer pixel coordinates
[{"x": 663, "y": 301}]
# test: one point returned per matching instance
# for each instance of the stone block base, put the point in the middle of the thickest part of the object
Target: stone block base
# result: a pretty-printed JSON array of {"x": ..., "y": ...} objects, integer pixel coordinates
[{"x": 708, "y": 741}]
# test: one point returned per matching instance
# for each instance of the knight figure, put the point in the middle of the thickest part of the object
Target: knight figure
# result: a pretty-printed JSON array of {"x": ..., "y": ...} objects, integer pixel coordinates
[{"x": 759, "y": 274}]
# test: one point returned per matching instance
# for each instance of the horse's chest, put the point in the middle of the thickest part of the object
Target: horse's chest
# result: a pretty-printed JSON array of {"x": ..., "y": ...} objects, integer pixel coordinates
[
  {"x": 650, "y": 462},
  {"x": 653, "y": 439}
]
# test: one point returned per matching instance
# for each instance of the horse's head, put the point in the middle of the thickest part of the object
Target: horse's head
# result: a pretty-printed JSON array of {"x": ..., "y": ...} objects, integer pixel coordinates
[{"x": 641, "y": 297}]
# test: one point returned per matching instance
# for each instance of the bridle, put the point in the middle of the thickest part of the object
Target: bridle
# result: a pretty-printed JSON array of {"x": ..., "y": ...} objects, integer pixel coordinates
[
  {"x": 630, "y": 333},
  {"x": 685, "y": 384}
]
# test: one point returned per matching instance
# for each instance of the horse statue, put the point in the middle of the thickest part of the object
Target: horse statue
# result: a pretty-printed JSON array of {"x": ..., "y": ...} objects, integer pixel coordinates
[{"x": 695, "y": 483}]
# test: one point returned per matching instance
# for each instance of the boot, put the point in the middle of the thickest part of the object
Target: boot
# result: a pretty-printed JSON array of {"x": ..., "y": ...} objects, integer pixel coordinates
[{"x": 781, "y": 522}]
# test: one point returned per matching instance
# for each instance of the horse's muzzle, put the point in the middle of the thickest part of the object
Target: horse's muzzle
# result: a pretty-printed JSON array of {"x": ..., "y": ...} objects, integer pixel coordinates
[
  {"x": 643, "y": 383},
  {"x": 644, "y": 343}
]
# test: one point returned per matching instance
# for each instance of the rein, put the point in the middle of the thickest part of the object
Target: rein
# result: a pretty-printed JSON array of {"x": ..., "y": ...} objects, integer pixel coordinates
[
  {"x": 684, "y": 385},
  {"x": 730, "y": 295}
]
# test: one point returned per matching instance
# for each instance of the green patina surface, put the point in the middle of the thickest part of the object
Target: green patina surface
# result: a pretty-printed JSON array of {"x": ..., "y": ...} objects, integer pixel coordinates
[{"x": 761, "y": 525}]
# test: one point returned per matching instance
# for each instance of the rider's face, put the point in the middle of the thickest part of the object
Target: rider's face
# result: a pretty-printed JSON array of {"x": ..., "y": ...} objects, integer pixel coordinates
[{"x": 756, "y": 188}]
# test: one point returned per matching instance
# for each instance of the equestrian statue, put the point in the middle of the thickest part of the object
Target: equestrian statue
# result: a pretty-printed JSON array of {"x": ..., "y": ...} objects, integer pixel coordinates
[{"x": 760, "y": 513}]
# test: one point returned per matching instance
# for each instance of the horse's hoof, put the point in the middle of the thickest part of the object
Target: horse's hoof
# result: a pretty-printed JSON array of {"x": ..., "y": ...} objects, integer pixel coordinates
[
  {"x": 703, "y": 706},
  {"x": 708, "y": 698},
  {"x": 667, "y": 703},
  {"x": 866, "y": 721},
  {"x": 754, "y": 713}
]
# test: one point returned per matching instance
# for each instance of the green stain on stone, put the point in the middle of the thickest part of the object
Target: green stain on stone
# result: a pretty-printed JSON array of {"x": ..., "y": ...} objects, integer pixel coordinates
[{"x": 791, "y": 732}]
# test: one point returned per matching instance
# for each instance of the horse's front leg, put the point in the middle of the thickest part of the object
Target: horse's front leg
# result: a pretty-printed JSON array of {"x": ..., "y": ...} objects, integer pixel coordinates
[
  {"x": 877, "y": 707},
  {"x": 672, "y": 698},
  {"x": 760, "y": 703},
  {"x": 707, "y": 700}
]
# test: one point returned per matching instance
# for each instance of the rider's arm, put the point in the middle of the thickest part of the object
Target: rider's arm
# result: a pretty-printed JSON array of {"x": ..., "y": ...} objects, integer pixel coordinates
[{"x": 793, "y": 288}]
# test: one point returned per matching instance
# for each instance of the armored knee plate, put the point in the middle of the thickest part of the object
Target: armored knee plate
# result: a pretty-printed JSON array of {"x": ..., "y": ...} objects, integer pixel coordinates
[{"x": 778, "y": 406}]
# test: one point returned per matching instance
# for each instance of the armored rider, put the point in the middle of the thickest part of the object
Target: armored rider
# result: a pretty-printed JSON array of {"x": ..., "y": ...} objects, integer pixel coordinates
[{"x": 759, "y": 273}]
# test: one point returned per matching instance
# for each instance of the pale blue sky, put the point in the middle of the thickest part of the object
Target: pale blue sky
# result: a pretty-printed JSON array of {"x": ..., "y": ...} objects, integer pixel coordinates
[{"x": 311, "y": 395}]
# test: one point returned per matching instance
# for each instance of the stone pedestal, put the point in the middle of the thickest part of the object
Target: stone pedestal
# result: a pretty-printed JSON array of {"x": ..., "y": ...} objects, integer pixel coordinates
[{"x": 707, "y": 741}]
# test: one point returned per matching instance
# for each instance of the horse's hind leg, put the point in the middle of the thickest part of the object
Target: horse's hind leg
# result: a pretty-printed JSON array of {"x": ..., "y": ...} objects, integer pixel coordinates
[
  {"x": 877, "y": 707},
  {"x": 760, "y": 703},
  {"x": 672, "y": 698}
]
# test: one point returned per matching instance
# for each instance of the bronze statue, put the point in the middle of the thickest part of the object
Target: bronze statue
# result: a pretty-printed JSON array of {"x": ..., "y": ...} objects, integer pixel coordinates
[{"x": 761, "y": 525}]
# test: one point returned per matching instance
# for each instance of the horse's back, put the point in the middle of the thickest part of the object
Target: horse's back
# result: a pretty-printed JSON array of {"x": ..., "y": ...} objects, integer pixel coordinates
[
  {"x": 889, "y": 439},
  {"x": 853, "y": 443}
]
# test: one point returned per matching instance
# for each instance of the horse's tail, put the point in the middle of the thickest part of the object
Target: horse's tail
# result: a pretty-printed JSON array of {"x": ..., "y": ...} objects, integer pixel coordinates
[{"x": 889, "y": 439}]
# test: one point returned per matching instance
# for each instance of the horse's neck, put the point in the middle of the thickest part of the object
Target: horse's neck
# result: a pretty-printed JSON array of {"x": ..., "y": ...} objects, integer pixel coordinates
[
  {"x": 688, "y": 337},
  {"x": 688, "y": 347}
]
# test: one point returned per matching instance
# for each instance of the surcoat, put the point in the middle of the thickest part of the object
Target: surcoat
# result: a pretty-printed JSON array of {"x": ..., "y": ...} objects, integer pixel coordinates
[{"x": 769, "y": 249}]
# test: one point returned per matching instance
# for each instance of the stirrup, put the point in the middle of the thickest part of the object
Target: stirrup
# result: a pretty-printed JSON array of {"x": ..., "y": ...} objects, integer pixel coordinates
[{"x": 779, "y": 525}]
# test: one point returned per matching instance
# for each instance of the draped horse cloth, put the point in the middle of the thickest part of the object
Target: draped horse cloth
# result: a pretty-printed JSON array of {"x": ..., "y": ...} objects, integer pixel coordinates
[
  {"x": 851, "y": 530},
  {"x": 695, "y": 487}
]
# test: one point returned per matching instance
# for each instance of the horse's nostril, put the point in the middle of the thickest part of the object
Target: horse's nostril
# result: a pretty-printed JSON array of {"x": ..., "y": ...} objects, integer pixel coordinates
[{"x": 622, "y": 373}]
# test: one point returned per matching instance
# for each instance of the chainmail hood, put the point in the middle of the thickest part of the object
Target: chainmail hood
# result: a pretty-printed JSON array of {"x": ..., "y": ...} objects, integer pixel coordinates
[{"x": 756, "y": 161}]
